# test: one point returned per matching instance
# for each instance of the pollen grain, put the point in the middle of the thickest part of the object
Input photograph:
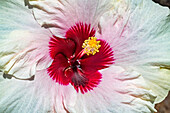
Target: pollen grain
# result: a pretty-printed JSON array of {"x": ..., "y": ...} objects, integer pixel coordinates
[{"x": 91, "y": 46}]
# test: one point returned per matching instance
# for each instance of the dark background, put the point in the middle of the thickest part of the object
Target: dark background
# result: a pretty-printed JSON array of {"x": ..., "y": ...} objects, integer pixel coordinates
[
  {"x": 163, "y": 2},
  {"x": 164, "y": 107}
]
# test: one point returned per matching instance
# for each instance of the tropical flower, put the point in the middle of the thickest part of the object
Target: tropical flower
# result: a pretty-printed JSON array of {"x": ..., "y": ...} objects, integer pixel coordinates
[{"x": 83, "y": 56}]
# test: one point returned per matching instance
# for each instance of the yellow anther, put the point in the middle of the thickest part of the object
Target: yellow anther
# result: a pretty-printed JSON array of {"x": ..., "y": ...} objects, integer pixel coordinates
[{"x": 91, "y": 46}]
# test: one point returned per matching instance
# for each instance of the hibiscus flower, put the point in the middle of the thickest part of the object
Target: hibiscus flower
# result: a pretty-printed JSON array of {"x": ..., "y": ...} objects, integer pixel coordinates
[{"x": 83, "y": 56}]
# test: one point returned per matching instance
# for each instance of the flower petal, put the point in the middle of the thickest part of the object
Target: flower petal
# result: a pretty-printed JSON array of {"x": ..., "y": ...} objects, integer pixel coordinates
[
  {"x": 57, "y": 69},
  {"x": 24, "y": 44},
  {"x": 78, "y": 33},
  {"x": 39, "y": 96},
  {"x": 118, "y": 92},
  {"x": 85, "y": 82},
  {"x": 102, "y": 59},
  {"x": 140, "y": 40},
  {"x": 60, "y": 15},
  {"x": 63, "y": 46}
]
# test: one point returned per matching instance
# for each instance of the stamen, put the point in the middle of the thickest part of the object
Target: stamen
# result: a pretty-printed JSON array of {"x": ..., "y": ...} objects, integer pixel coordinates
[
  {"x": 9, "y": 76},
  {"x": 91, "y": 46}
]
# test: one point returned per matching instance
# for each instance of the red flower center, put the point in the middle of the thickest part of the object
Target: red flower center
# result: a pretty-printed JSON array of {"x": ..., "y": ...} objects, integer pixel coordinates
[{"x": 71, "y": 65}]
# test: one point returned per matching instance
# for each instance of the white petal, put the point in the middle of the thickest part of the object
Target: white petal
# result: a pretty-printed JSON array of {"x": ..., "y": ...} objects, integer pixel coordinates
[
  {"x": 140, "y": 40},
  {"x": 24, "y": 44},
  {"x": 60, "y": 15},
  {"x": 39, "y": 96},
  {"x": 118, "y": 92}
]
